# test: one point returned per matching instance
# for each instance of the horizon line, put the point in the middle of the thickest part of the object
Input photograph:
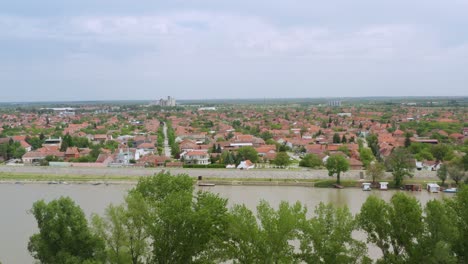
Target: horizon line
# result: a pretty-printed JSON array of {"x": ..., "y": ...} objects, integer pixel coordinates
[{"x": 241, "y": 99}]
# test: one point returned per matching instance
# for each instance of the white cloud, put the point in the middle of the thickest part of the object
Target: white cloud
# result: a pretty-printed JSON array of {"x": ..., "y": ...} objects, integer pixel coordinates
[
  {"x": 199, "y": 33},
  {"x": 212, "y": 50}
]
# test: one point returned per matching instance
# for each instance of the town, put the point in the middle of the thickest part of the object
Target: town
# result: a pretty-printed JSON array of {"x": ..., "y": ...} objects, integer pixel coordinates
[{"x": 259, "y": 135}]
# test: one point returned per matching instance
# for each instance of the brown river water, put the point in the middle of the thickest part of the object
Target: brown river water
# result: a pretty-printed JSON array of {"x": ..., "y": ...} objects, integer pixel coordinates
[{"x": 17, "y": 225}]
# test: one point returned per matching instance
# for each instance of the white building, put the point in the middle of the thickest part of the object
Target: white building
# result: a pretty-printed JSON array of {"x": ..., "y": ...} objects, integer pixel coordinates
[
  {"x": 198, "y": 157},
  {"x": 334, "y": 103},
  {"x": 246, "y": 165},
  {"x": 344, "y": 114},
  {"x": 170, "y": 102}
]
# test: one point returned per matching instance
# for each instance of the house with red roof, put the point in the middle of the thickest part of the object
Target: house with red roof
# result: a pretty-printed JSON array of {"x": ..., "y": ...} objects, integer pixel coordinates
[{"x": 72, "y": 153}]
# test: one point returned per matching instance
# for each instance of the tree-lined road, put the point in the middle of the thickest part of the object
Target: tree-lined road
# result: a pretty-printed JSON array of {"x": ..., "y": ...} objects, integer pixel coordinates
[{"x": 167, "y": 149}]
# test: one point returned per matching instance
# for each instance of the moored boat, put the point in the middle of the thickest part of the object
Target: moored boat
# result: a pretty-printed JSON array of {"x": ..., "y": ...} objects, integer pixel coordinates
[
  {"x": 451, "y": 190},
  {"x": 383, "y": 186},
  {"x": 205, "y": 184},
  {"x": 366, "y": 186},
  {"x": 433, "y": 187}
]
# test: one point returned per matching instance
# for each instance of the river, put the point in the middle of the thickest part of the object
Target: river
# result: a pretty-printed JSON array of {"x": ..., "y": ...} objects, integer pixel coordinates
[{"x": 17, "y": 225}]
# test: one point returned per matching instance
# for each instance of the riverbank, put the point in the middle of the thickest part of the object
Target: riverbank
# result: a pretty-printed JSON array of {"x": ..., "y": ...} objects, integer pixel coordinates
[
  {"x": 31, "y": 178},
  {"x": 128, "y": 173}
]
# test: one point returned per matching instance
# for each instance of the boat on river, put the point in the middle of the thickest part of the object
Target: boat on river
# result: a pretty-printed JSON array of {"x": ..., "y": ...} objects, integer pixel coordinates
[
  {"x": 205, "y": 184},
  {"x": 366, "y": 186},
  {"x": 383, "y": 186},
  {"x": 433, "y": 187},
  {"x": 412, "y": 187},
  {"x": 451, "y": 190}
]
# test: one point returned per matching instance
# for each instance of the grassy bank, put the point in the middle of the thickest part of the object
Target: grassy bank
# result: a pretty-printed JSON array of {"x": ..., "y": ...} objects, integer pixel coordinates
[
  {"x": 32, "y": 177},
  {"x": 320, "y": 183}
]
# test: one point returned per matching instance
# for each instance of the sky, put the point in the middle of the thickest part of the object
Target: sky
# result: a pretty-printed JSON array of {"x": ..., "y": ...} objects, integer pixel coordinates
[{"x": 55, "y": 50}]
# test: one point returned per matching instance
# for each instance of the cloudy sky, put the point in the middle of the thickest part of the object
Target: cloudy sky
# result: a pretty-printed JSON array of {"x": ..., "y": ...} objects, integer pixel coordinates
[{"x": 205, "y": 49}]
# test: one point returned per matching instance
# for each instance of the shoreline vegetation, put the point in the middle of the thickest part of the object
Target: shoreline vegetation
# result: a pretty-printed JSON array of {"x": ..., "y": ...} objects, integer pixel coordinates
[{"x": 34, "y": 178}]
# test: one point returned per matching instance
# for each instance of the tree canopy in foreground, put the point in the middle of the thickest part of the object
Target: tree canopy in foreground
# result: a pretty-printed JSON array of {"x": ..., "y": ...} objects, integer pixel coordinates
[{"x": 162, "y": 220}]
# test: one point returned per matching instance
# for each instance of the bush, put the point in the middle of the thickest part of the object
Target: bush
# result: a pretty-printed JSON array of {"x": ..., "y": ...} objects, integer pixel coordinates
[{"x": 311, "y": 161}]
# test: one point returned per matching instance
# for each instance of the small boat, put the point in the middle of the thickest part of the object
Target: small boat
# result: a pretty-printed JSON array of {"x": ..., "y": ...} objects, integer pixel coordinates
[
  {"x": 205, "y": 184},
  {"x": 96, "y": 183},
  {"x": 412, "y": 187},
  {"x": 366, "y": 186},
  {"x": 337, "y": 186},
  {"x": 451, "y": 190},
  {"x": 383, "y": 186},
  {"x": 53, "y": 182}
]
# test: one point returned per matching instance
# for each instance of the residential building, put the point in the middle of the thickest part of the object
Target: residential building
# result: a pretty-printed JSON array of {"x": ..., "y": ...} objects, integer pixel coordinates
[
  {"x": 334, "y": 103},
  {"x": 170, "y": 102},
  {"x": 198, "y": 157}
]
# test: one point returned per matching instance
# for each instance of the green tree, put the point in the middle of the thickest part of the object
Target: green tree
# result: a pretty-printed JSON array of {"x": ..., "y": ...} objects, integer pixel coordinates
[
  {"x": 442, "y": 152},
  {"x": 18, "y": 152},
  {"x": 111, "y": 145},
  {"x": 436, "y": 243},
  {"x": 4, "y": 151},
  {"x": 64, "y": 235},
  {"x": 424, "y": 155},
  {"x": 375, "y": 170},
  {"x": 266, "y": 135},
  {"x": 442, "y": 173},
  {"x": 282, "y": 159},
  {"x": 373, "y": 143},
  {"x": 336, "y": 138},
  {"x": 266, "y": 240},
  {"x": 123, "y": 230},
  {"x": 229, "y": 135},
  {"x": 343, "y": 139},
  {"x": 395, "y": 228},
  {"x": 182, "y": 227},
  {"x": 244, "y": 236},
  {"x": 407, "y": 140},
  {"x": 366, "y": 156},
  {"x": 175, "y": 150},
  {"x": 35, "y": 142},
  {"x": 345, "y": 150},
  {"x": 456, "y": 172},
  {"x": 227, "y": 158},
  {"x": 327, "y": 237},
  {"x": 401, "y": 163},
  {"x": 95, "y": 151},
  {"x": 459, "y": 205},
  {"x": 11, "y": 149},
  {"x": 66, "y": 142},
  {"x": 464, "y": 161},
  {"x": 311, "y": 161},
  {"x": 336, "y": 164},
  {"x": 83, "y": 142},
  {"x": 247, "y": 153}
]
